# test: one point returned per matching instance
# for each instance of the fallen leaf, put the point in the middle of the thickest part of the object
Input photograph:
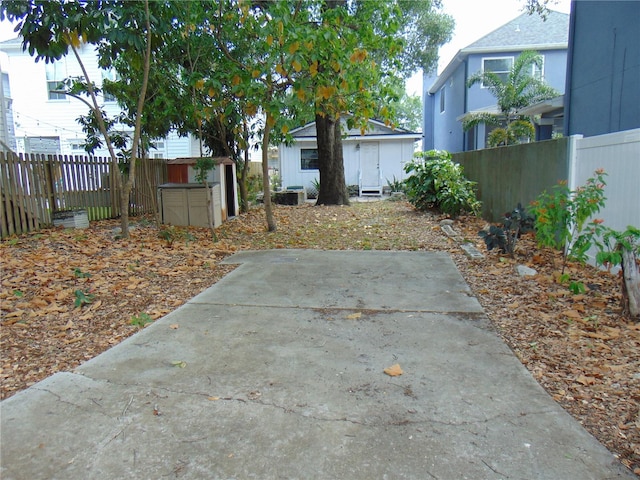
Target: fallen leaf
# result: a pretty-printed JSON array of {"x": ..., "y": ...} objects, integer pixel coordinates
[
  {"x": 179, "y": 363},
  {"x": 353, "y": 316},
  {"x": 213, "y": 399},
  {"x": 174, "y": 326},
  {"x": 584, "y": 380},
  {"x": 572, "y": 314},
  {"x": 394, "y": 370}
]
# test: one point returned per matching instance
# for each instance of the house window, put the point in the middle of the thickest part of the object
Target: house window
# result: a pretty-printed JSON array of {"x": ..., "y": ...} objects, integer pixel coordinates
[
  {"x": 56, "y": 73},
  {"x": 442, "y": 99},
  {"x": 111, "y": 76},
  {"x": 309, "y": 158},
  {"x": 538, "y": 72},
  {"x": 500, "y": 66}
]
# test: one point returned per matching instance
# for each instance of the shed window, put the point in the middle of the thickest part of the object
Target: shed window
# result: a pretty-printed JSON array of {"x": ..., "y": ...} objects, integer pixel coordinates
[{"x": 309, "y": 158}]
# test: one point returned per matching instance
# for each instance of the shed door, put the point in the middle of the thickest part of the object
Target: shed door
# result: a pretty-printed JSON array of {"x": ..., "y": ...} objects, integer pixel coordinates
[{"x": 370, "y": 164}]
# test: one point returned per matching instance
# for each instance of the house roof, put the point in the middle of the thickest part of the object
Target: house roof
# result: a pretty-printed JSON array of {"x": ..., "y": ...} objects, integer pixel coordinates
[
  {"x": 550, "y": 107},
  {"x": 379, "y": 130},
  {"x": 525, "y": 32},
  {"x": 529, "y": 30}
]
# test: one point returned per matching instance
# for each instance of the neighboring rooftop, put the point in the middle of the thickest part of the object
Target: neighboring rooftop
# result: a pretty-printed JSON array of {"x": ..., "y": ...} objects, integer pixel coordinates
[
  {"x": 525, "y": 32},
  {"x": 526, "y": 29}
]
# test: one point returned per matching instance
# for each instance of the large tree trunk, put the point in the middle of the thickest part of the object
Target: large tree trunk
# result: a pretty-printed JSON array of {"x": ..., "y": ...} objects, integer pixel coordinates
[
  {"x": 631, "y": 283},
  {"x": 333, "y": 189}
]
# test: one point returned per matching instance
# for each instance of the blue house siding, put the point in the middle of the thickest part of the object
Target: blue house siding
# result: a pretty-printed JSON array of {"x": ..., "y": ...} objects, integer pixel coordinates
[
  {"x": 446, "y": 128},
  {"x": 443, "y": 130},
  {"x": 555, "y": 64},
  {"x": 603, "y": 70}
]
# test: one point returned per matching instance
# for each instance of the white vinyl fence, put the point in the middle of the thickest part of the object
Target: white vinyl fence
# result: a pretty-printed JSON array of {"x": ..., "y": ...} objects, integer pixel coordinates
[{"x": 618, "y": 154}]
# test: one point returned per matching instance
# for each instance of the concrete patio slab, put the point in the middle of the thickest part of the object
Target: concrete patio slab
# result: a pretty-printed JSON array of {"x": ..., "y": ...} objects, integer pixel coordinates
[{"x": 277, "y": 372}]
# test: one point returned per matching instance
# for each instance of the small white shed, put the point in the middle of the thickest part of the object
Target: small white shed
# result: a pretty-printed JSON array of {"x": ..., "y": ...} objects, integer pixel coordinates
[{"x": 370, "y": 160}]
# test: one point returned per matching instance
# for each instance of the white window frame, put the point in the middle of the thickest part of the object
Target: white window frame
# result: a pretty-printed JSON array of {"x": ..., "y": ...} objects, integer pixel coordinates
[
  {"x": 111, "y": 75},
  {"x": 302, "y": 168},
  {"x": 484, "y": 59},
  {"x": 538, "y": 73},
  {"x": 55, "y": 74}
]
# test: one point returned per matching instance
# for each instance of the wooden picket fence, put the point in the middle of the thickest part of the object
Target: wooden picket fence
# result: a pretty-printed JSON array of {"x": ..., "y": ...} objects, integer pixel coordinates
[{"x": 35, "y": 187}]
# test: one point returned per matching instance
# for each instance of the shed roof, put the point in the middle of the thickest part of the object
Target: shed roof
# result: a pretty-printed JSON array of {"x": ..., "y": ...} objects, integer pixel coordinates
[{"x": 193, "y": 160}]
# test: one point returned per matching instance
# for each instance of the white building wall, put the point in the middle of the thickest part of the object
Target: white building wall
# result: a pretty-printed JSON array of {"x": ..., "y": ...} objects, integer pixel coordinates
[
  {"x": 35, "y": 115},
  {"x": 393, "y": 154}
]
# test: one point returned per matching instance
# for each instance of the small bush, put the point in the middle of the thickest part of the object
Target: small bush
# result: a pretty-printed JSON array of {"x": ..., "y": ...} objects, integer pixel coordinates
[
  {"x": 564, "y": 217},
  {"x": 254, "y": 187},
  {"x": 435, "y": 181},
  {"x": 504, "y": 238},
  {"x": 395, "y": 185}
]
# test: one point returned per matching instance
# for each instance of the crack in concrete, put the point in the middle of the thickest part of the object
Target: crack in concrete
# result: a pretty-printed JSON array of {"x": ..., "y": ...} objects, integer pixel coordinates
[
  {"x": 370, "y": 310},
  {"x": 296, "y": 411}
]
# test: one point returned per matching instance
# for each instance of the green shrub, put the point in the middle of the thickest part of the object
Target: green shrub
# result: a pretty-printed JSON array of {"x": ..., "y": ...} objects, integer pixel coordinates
[
  {"x": 564, "y": 217},
  {"x": 435, "y": 181},
  {"x": 395, "y": 185}
]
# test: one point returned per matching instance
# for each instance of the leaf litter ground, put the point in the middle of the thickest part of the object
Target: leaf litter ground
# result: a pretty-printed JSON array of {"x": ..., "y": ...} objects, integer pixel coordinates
[{"x": 580, "y": 348}]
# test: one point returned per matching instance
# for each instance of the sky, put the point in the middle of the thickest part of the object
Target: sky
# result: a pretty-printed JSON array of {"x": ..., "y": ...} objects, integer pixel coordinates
[{"x": 475, "y": 19}]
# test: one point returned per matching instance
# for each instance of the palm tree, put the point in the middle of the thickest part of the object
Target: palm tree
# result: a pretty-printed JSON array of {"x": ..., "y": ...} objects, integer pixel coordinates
[{"x": 518, "y": 90}]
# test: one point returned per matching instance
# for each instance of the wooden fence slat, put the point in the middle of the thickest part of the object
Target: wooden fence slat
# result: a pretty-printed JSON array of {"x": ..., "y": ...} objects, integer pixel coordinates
[
  {"x": 5, "y": 201},
  {"x": 40, "y": 190},
  {"x": 31, "y": 209},
  {"x": 22, "y": 184},
  {"x": 34, "y": 186}
]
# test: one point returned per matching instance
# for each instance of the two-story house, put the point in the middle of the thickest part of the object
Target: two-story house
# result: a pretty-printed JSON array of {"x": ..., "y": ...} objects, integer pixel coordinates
[
  {"x": 45, "y": 121},
  {"x": 447, "y": 99}
]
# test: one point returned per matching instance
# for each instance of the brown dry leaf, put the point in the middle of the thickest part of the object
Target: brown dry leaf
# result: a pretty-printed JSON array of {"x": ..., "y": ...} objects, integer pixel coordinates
[
  {"x": 572, "y": 314},
  {"x": 604, "y": 334},
  {"x": 394, "y": 370},
  {"x": 67, "y": 326},
  {"x": 354, "y": 316},
  {"x": 584, "y": 380},
  {"x": 174, "y": 326}
]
